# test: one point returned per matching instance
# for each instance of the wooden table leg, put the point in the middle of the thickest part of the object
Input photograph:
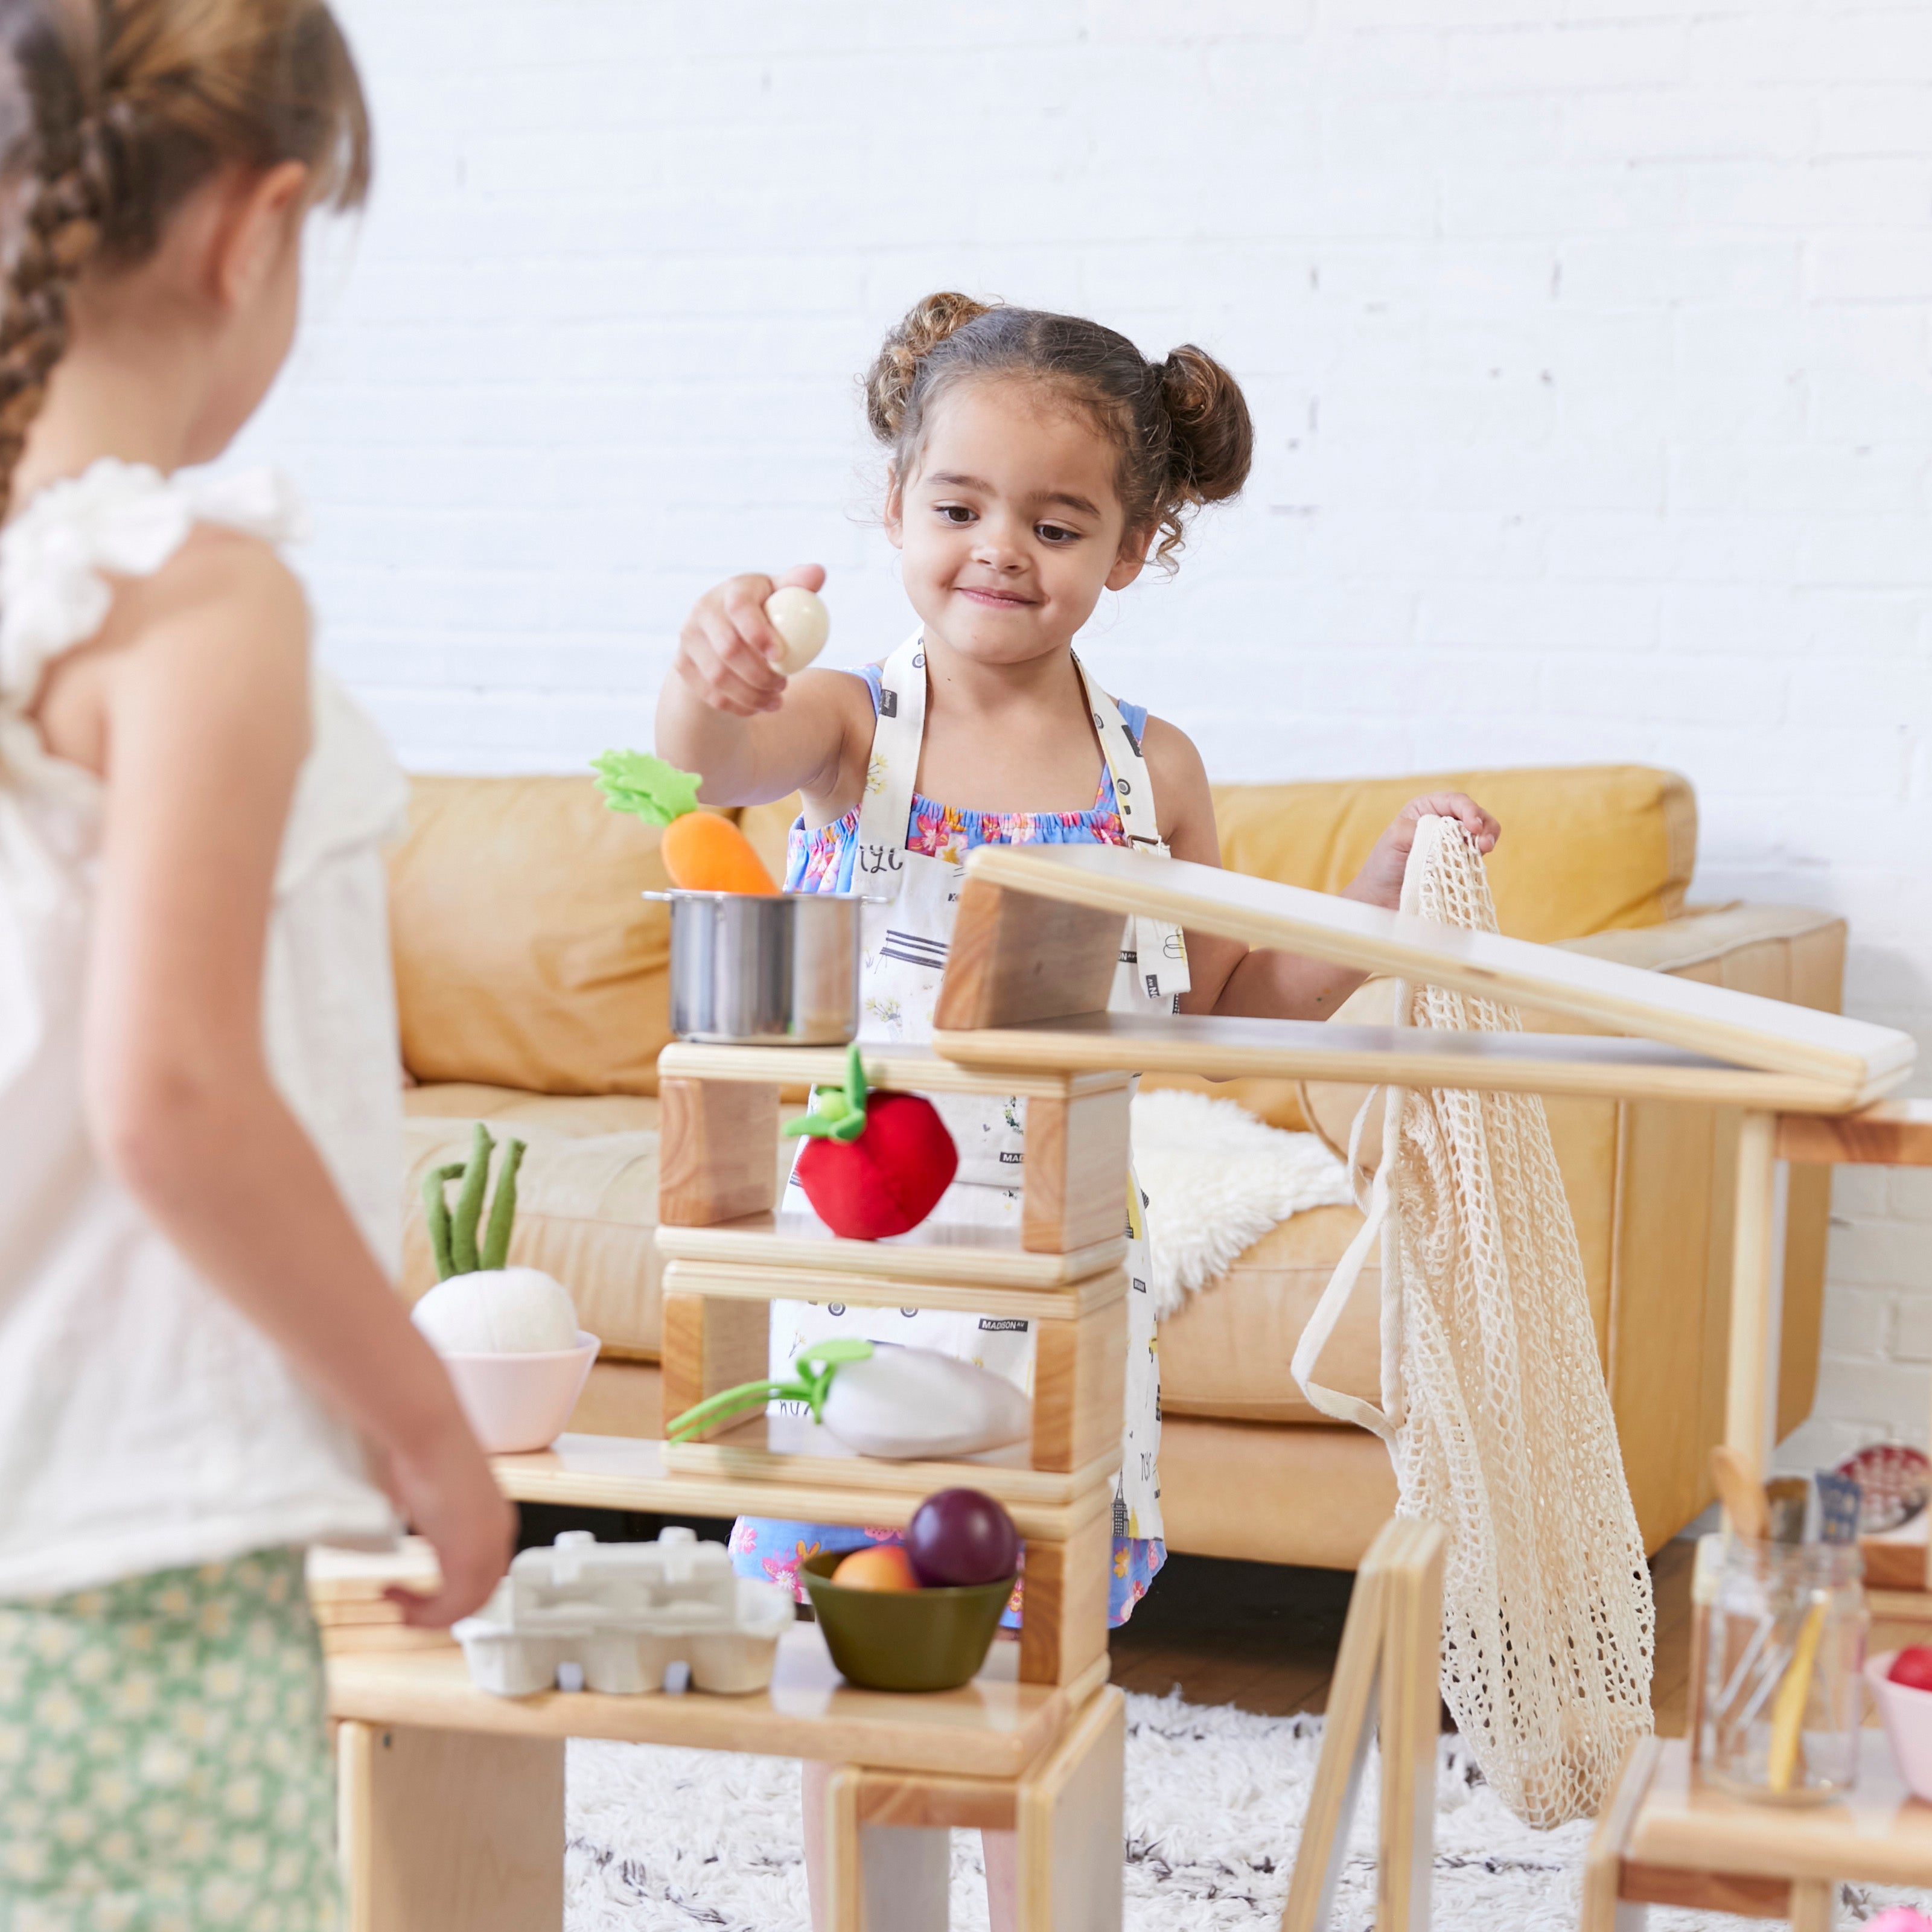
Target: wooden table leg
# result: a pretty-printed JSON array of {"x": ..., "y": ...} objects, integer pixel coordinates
[
  {"x": 450, "y": 1831},
  {"x": 1072, "y": 1848},
  {"x": 1814, "y": 1904},
  {"x": 1754, "y": 1254},
  {"x": 1604, "y": 1910},
  {"x": 882, "y": 1878}
]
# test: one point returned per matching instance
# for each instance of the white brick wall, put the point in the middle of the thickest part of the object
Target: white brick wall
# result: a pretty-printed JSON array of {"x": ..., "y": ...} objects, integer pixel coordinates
[{"x": 1590, "y": 342}]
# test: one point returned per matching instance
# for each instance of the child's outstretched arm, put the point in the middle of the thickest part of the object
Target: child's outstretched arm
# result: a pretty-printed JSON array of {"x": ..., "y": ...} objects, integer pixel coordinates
[
  {"x": 1228, "y": 977},
  {"x": 750, "y": 734},
  {"x": 200, "y": 688}
]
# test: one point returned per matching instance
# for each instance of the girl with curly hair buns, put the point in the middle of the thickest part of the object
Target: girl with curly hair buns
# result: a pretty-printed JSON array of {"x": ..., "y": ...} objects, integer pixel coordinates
[
  {"x": 1035, "y": 460},
  {"x": 204, "y": 1364}
]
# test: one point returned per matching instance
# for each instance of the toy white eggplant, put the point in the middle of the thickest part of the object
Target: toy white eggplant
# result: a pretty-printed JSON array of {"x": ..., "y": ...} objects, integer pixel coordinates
[{"x": 902, "y": 1405}]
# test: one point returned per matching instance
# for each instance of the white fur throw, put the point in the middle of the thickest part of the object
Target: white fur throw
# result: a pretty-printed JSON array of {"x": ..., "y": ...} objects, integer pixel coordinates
[{"x": 1217, "y": 1179}]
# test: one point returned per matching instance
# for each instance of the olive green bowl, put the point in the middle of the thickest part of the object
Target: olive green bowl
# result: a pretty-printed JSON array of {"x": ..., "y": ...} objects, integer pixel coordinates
[{"x": 904, "y": 1639}]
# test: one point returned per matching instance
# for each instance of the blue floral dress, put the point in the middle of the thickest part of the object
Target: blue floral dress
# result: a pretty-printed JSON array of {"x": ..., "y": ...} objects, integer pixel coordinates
[{"x": 822, "y": 861}]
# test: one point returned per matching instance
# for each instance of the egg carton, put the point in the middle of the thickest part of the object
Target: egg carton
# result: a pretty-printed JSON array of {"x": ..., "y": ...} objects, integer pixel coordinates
[{"x": 623, "y": 1613}]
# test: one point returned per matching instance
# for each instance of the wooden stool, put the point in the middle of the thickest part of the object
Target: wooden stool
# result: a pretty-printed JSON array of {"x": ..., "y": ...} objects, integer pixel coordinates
[
  {"x": 1667, "y": 1838},
  {"x": 451, "y": 1800}
]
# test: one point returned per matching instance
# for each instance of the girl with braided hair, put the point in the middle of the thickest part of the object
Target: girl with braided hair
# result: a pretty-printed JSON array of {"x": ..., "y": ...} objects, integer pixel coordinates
[
  {"x": 203, "y": 1364},
  {"x": 1035, "y": 459}
]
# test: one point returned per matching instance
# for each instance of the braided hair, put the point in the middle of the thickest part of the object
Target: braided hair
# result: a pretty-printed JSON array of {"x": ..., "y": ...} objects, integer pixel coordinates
[
  {"x": 1181, "y": 426},
  {"x": 111, "y": 112}
]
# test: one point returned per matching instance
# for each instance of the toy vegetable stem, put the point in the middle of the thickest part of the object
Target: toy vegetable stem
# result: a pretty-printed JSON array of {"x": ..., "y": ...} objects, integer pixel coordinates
[
  {"x": 503, "y": 1207},
  {"x": 436, "y": 1211},
  {"x": 469, "y": 1203},
  {"x": 836, "y": 1114},
  {"x": 810, "y": 1383}
]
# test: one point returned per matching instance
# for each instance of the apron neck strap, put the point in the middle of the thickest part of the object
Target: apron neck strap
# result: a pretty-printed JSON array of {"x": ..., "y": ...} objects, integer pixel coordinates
[
  {"x": 1133, "y": 791},
  {"x": 893, "y": 769}
]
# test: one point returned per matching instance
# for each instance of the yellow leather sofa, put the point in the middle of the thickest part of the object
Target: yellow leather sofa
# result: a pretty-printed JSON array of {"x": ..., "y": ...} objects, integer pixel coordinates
[{"x": 531, "y": 985}]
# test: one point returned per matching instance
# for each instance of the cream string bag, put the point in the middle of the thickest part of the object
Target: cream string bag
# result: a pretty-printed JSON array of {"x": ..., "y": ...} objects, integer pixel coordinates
[{"x": 1493, "y": 1403}]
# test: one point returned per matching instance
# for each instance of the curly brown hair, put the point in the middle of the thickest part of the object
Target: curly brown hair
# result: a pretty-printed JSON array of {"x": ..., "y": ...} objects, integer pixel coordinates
[
  {"x": 113, "y": 111},
  {"x": 1181, "y": 426}
]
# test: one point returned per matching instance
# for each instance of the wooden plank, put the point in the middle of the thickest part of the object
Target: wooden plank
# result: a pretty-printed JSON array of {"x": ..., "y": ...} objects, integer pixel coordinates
[
  {"x": 1876, "y": 1834},
  {"x": 993, "y": 1727},
  {"x": 794, "y": 1449},
  {"x": 1897, "y": 1133},
  {"x": 898, "y": 1068},
  {"x": 1604, "y": 1861},
  {"x": 1076, "y": 1172},
  {"x": 1079, "y": 1390},
  {"x": 1015, "y": 957},
  {"x": 1742, "y": 1028},
  {"x": 746, "y": 1282},
  {"x": 1754, "y": 1254},
  {"x": 445, "y": 1832},
  {"x": 1411, "y": 1701},
  {"x": 1814, "y": 1904},
  {"x": 1592, "y": 1065},
  {"x": 711, "y": 1345},
  {"x": 629, "y": 1473},
  {"x": 1069, "y": 1856},
  {"x": 934, "y": 1252},
  {"x": 955, "y": 1804},
  {"x": 1706, "y": 1892},
  {"x": 1063, "y": 1617},
  {"x": 717, "y": 1151},
  {"x": 1346, "y": 1730}
]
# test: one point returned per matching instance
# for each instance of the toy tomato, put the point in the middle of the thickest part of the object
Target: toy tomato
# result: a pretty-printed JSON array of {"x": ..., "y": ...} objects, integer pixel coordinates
[
  {"x": 1912, "y": 1667},
  {"x": 876, "y": 1164}
]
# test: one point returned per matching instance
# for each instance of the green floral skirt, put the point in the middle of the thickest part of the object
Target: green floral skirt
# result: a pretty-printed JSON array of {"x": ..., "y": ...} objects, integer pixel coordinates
[{"x": 163, "y": 1756}]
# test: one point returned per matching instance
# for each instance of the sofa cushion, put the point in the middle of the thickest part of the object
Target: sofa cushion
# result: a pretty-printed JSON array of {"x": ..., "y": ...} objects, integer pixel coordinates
[
  {"x": 1226, "y": 1352},
  {"x": 1585, "y": 848}
]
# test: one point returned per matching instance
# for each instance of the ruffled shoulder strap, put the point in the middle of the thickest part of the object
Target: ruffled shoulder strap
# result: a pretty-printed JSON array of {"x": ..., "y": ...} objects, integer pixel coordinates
[{"x": 115, "y": 519}]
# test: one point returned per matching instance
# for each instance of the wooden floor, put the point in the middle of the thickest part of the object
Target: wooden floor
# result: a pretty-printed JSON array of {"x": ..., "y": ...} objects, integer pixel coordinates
[{"x": 1264, "y": 1638}]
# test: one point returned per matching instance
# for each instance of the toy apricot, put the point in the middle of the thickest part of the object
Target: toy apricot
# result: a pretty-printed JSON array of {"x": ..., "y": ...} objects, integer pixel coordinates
[{"x": 884, "y": 1567}]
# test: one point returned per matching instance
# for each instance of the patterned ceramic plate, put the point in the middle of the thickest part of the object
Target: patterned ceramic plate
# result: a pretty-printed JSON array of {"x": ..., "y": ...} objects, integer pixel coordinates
[{"x": 1895, "y": 1479}]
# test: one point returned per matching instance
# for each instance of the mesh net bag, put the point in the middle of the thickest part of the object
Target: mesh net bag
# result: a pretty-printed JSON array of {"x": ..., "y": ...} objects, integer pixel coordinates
[{"x": 1494, "y": 1406}]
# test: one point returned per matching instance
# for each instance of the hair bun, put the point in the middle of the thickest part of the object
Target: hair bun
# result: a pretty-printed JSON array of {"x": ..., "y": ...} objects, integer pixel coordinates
[
  {"x": 1213, "y": 434},
  {"x": 888, "y": 382}
]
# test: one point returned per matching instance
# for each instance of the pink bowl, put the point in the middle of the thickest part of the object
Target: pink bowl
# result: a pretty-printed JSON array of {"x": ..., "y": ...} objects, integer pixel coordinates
[
  {"x": 1907, "y": 1717},
  {"x": 516, "y": 1402}
]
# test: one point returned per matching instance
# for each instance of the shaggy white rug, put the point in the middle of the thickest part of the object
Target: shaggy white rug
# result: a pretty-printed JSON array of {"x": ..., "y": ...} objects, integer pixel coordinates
[
  {"x": 1217, "y": 1180},
  {"x": 669, "y": 1840}
]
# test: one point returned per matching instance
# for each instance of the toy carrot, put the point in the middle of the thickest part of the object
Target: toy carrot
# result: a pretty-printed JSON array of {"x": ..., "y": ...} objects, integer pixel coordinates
[{"x": 702, "y": 852}]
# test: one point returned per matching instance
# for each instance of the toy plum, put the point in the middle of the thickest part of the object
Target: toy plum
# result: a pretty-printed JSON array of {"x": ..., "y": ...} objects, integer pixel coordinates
[{"x": 960, "y": 1537}]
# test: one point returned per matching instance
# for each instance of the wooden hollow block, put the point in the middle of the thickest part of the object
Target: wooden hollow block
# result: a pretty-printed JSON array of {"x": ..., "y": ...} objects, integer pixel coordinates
[
  {"x": 1071, "y": 1871},
  {"x": 449, "y": 1830},
  {"x": 709, "y": 1345},
  {"x": 1015, "y": 957},
  {"x": 717, "y": 1151},
  {"x": 1897, "y": 1133},
  {"x": 927, "y": 1798},
  {"x": 1064, "y": 1619},
  {"x": 1704, "y": 1891},
  {"x": 1076, "y": 1172},
  {"x": 1079, "y": 1387}
]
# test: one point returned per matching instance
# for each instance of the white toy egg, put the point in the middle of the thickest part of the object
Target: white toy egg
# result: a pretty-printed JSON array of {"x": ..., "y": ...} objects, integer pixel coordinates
[
  {"x": 514, "y": 1311},
  {"x": 799, "y": 617},
  {"x": 908, "y": 1404}
]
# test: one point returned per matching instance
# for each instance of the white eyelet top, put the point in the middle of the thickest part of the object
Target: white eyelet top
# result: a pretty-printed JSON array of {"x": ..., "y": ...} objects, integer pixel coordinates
[{"x": 145, "y": 1424}]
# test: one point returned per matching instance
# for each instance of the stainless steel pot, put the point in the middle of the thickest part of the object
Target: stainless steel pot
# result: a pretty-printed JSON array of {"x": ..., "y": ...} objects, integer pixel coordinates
[{"x": 748, "y": 969}]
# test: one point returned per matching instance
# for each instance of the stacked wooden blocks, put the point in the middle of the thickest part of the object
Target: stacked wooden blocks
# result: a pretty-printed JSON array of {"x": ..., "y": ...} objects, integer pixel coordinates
[{"x": 729, "y": 1256}]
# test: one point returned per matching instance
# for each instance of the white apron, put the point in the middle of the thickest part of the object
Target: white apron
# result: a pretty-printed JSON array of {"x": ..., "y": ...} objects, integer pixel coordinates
[{"x": 914, "y": 900}]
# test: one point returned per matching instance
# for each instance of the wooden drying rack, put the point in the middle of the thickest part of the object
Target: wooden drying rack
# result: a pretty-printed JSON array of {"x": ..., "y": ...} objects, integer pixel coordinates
[{"x": 1022, "y": 1012}]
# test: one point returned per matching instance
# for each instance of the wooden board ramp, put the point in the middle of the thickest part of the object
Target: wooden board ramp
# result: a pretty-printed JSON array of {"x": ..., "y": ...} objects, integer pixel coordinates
[{"x": 1008, "y": 957}]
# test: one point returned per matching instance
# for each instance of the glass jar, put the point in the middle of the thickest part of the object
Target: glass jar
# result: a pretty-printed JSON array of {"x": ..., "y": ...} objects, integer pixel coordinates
[{"x": 1784, "y": 1643}]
